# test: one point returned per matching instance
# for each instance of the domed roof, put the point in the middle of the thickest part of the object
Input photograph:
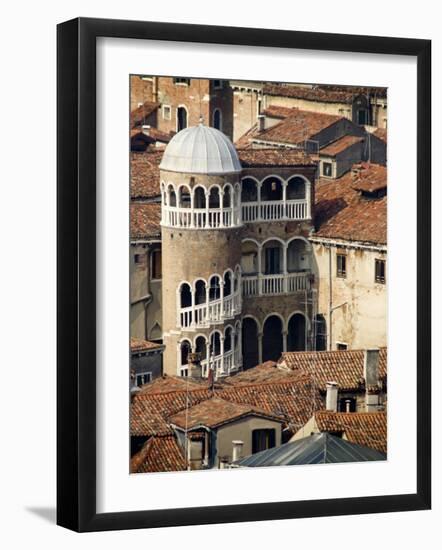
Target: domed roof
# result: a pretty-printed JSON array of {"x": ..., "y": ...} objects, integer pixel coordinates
[{"x": 201, "y": 150}]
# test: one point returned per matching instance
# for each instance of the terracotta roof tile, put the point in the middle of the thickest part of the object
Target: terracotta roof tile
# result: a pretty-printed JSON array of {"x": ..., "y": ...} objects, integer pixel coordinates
[
  {"x": 159, "y": 454},
  {"x": 298, "y": 127},
  {"x": 367, "y": 429},
  {"x": 139, "y": 115},
  {"x": 137, "y": 344},
  {"x": 310, "y": 94},
  {"x": 216, "y": 411},
  {"x": 145, "y": 174},
  {"x": 274, "y": 157},
  {"x": 277, "y": 111},
  {"x": 145, "y": 220},
  {"x": 341, "y": 144},
  {"x": 344, "y": 367},
  {"x": 342, "y": 213}
]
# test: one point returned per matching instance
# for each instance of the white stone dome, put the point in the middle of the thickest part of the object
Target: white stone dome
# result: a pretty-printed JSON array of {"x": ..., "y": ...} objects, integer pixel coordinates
[{"x": 201, "y": 150}]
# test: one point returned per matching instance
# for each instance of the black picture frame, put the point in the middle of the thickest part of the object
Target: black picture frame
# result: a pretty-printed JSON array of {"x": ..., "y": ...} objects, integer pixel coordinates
[{"x": 76, "y": 273}]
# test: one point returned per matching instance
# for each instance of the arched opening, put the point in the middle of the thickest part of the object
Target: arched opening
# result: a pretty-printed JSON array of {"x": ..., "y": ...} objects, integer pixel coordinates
[
  {"x": 249, "y": 258},
  {"x": 185, "y": 350},
  {"x": 172, "y": 196},
  {"x": 228, "y": 339},
  {"x": 214, "y": 288},
  {"x": 181, "y": 115},
  {"x": 320, "y": 332},
  {"x": 249, "y": 190},
  {"x": 227, "y": 283},
  {"x": 298, "y": 256},
  {"x": 272, "y": 339},
  {"x": 184, "y": 197},
  {"x": 185, "y": 295},
  {"x": 214, "y": 201},
  {"x": 272, "y": 257},
  {"x": 156, "y": 333},
  {"x": 296, "y": 188},
  {"x": 217, "y": 119},
  {"x": 201, "y": 347},
  {"x": 227, "y": 198},
  {"x": 200, "y": 292},
  {"x": 215, "y": 344},
  {"x": 199, "y": 198},
  {"x": 250, "y": 351},
  {"x": 271, "y": 189},
  {"x": 296, "y": 334}
]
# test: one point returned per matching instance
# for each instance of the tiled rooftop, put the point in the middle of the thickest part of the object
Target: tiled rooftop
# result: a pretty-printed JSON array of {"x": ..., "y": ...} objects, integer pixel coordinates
[
  {"x": 342, "y": 213},
  {"x": 274, "y": 157},
  {"x": 159, "y": 454},
  {"x": 139, "y": 115},
  {"x": 214, "y": 412},
  {"x": 137, "y": 344},
  {"x": 145, "y": 220},
  {"x": 367, "y": 429},
  {"x": 277, "y": 111},
  {"x": 344, "y": 367},
  {"x": 341, "y": 144},
  {"x": 145, "y": 175},
  {"x": 309, "y": 94}
]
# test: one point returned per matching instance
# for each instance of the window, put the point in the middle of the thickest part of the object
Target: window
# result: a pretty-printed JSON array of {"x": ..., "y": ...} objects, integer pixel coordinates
[
  {"x": 262, "y": 440},
  {"x": 379, "y": 271},
  {"x": 182, "y": 81},
  {"x": 217, "y": 120},
  {"x": 341, "y": 265},
  {"x": 362, "y": 116},
  {"x": 327, "y": 169},
  {"x": 143, "y": 378},
  {"x": 181, "y": 118},
  {"x": 217, "y": 84},
  {"x": 272, "y": 260},
  {"x": 340, "y": 346},
  {"x": 139, "y": 258},
  {"x": 156, "y": 264},
  {"x": 167, "y": 112},
  {"x": 347, "y": 404}
]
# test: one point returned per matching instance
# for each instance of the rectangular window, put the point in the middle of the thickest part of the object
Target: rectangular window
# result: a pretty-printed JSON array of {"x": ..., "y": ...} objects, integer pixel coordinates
[
  {"x": 183, "y": 81},
  {"x": 272, "y": 265},
  {"x": 262, "y": 440},
  {"x": 327, "y": 169},
  {"x": 379, "y": 271},
  {"x": 156, "y": 264},
  {"x": 340, "y": 346},
  {"x": 143, "y": 378},
  {"x": 217, "y": 84},
  {"x": 167, "y": 112},
  {"x": 362, "y": 116},
  {"x": 139, "y": 259},
  {"x": 341, "y": 265}
]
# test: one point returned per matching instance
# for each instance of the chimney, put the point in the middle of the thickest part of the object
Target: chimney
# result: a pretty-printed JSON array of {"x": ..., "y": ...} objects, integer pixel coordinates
[
  {"x": 331, "y": 399},
  {"x": 261, "y": 123},
  {"x": 237, "y": 450},
  {"x": 371, "y": 376},
  {"x": 194, "y": 362},
  {"x": 146, "y": 129}
]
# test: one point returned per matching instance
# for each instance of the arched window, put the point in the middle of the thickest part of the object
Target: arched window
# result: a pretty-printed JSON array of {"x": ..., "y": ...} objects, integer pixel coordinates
[
  {"x": 199, "y": 199},
  {"x": 215, "y": 344},
  {"x": 228, "y": 339},
  {"x": 227, "y": 283},
  {"x": 214, "y": 288},
  {"x": 185, "y": 350},
  {"x": 217, "y": 119},
  {"x": 297, "y": 334},
  {"x": 272, "y": 339},
  {"x": 184, "y": 197},
  {"x": 227, "y": 198},
  {"x": 181, "y": 118},
  {"x": 250, "y": 343},
  {"x": 249, "y": 190},
  {"x": 295, "y": 188},
  {"x": 201, "y": 347},
  {"x": 214, "y": 201},
  {"x": 320, "y": 332},
  {"x": 200, "y": 292},
  {"x": 185, "y": 295},
  {"x": 271, "y": 189},
  {"x": 172, "y": 195},
  {"x": 272, "y": 257},
  {"x": 298, "y": 256}
]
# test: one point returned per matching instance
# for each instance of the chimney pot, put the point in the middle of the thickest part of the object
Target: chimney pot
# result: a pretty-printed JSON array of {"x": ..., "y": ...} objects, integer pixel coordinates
[
  {"x": 331, "y": 399},
  {"x": 146, "y": 129},
  {"x": 261, "y": 123}
]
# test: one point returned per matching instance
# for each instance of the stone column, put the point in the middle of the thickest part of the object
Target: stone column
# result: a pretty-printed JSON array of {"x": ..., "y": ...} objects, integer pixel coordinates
[{"x": 259, "y": 347}]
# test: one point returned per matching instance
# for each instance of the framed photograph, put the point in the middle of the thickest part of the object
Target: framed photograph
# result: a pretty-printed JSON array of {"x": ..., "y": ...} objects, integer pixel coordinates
[{"x": 234, "y": 280}]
